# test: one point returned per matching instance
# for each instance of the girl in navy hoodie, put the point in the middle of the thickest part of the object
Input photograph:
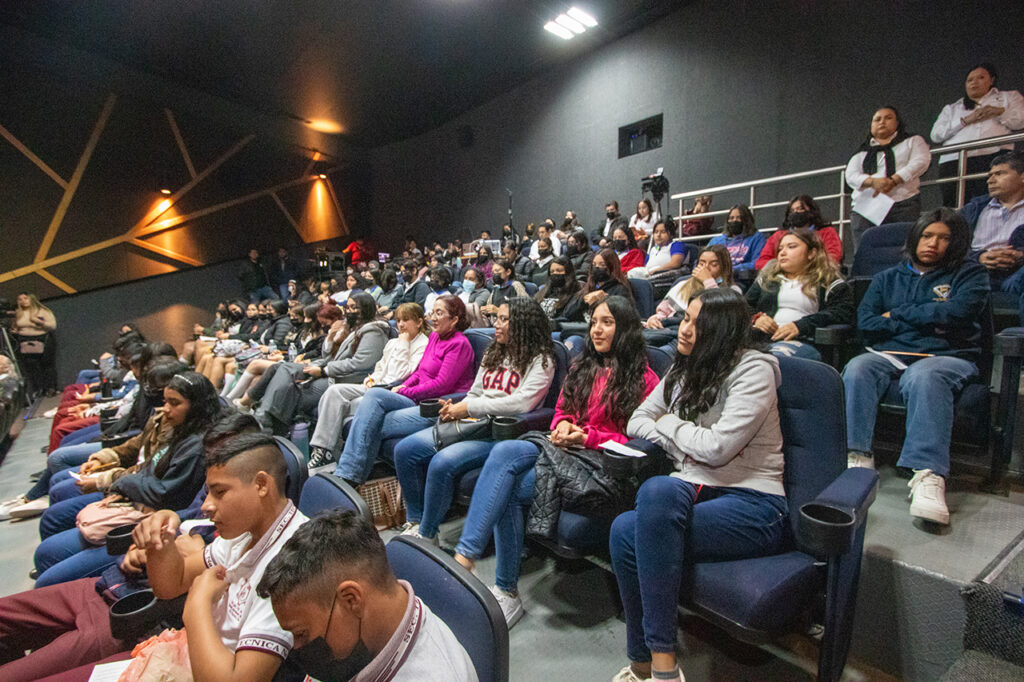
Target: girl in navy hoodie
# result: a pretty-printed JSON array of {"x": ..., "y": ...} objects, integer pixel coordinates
[{"x": 922, "y": 322}]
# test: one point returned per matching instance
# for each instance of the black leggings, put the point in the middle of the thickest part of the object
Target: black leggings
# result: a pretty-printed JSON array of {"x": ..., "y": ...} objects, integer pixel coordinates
[{"x": 38, "y": 369}]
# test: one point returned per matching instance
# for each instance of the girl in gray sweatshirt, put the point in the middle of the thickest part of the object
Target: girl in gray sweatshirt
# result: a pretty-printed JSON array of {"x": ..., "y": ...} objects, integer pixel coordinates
[{"x": 716, "y": 415}]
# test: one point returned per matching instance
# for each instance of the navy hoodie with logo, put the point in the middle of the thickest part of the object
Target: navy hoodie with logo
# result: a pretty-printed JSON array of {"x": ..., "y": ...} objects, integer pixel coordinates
[{"x": 937, "y": 312}]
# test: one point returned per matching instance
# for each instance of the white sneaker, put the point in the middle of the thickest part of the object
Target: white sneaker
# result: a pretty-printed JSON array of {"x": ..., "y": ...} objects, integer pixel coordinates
[
  {"x": 627, "y": 675},
  {"x": 859, "y": 460},
  {"x": 50, "y": 414},
  {"x": 240, "y": 406},
  {"x": 6, "y": 507},
  {"x": 511, "y": 606},
  {"x": 409, "y": 528},
  {"x": 928, "y": 497},
  {"x": 30, "y": 509}
]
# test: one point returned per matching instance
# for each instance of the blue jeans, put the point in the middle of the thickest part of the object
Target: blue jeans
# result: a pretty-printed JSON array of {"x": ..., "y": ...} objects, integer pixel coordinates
[
  {"x": 60, "y": 459},
  {"x": 88, "y": 562},
  {"x": 264, "y": 292},
  {"x": 501, "y": 499},
  {"x": 428, "y": 476},
  {"x": 82, "y": 435},
  {"x": 676, "y": 523},
  {"x": 795, "y": 349},
  {"x": 381, "y": 415},
  {"x": 928, "y": 387},
  {"x": 62, "y": 514},
  {"x": 87, "y": 376}
]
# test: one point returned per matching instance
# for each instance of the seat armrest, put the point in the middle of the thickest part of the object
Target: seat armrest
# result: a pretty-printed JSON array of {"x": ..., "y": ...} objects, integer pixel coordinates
[
  {"x": 539, "y": 419},
  {"x": 832, "y": 335},
  {"x": 454, "y": 397},
  {"x": 1009, "y": 342},
  {"x": 828, "y": 525}
]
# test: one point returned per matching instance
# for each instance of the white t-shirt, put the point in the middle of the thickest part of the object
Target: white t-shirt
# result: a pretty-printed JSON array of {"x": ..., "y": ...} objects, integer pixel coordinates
[
  {"x": 794, "y": 304},
  {"x": 243, "y": 619}
]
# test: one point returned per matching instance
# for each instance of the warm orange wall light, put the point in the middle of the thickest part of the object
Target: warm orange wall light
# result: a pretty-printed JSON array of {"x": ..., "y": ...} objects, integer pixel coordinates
[{"x": 320, "y": 218}]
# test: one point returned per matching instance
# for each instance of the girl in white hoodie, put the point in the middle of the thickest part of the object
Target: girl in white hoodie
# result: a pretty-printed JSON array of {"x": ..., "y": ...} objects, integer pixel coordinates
[{"x": 716, "y": 415}]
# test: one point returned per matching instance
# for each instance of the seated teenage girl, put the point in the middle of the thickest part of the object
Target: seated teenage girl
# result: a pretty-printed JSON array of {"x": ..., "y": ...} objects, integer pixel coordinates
[
  {"x": 446, "y": 367},
  {"x": 716, "y": 415},
  {"x": 798, "y": 292},
  {"x": 514, "y": 377},
  {"x": 605, "y": 384}
]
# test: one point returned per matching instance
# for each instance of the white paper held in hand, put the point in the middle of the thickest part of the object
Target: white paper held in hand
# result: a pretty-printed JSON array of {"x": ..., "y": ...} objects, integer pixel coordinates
[{"x": 620, "y": 449}]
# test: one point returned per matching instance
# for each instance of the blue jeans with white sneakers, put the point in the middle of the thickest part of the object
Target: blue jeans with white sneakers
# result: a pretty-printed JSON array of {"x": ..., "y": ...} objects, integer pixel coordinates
[{"x": 929, "y": 388}]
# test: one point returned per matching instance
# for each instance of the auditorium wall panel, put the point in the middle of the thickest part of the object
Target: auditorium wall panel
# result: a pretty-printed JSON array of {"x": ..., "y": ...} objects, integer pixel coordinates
[{"x": 748, "y": 90}]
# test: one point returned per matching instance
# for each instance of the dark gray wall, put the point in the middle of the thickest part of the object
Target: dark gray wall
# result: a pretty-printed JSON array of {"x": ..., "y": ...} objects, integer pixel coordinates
[
  {"x": 748, "y": 90},
  {"x": 164, "y": 307}
]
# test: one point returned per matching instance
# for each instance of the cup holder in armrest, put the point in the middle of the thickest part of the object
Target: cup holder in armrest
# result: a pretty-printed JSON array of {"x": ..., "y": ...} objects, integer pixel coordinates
[
  {"x": 826, "y": 528},
  {"x": 507, "y": 428},
  {"x": 120, "y": 539},
  {"x": 430, "y": 408},
  {"x": 133, "y": 615}
]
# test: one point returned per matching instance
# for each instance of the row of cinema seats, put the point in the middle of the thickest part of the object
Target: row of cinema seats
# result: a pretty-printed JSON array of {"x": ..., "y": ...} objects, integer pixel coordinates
[
  {"x": 974, "y": 431},
  {"x": 455, "y": 596},
  {"x": 758, "y": 599}
]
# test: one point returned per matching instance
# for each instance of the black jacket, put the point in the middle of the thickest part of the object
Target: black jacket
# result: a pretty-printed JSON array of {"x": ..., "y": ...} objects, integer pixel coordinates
[
  {"x": 281, "y": 271},
  {"x": 598, "y": 234},
  {"x": 176, "y": 486},
  {"x": 252, "y": 275},
  {"x": 835, "y": 306},
  {"x": 277, "y": 331}
]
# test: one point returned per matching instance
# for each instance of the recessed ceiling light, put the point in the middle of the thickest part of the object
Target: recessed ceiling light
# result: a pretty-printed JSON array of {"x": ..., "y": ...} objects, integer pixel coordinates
[
  {"x": 165, "y": 192},
  {"x": 570, "y": 23},
  {"x": 582, "y": 17},
  {"x": 323, "y": 125},
  {"x": 559, "y": 30},
  {"x": 323, "y": 176}
]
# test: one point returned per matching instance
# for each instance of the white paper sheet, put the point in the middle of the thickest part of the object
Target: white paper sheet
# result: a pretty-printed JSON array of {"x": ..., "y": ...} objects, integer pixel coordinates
[
  {"x": 620, "y": 449},
  {"x": 874, "y": 208},
  {"x": 109, "y": 672},
  {"x": 893, "y": 360}
]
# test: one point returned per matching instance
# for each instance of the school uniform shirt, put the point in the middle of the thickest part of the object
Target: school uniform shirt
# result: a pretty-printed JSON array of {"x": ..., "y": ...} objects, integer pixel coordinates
[
  {"x": 950, "y": 129},
  {"x": 244, "y": 619},
  {"x": 503, "y": 392},
  {"x": 422, "y": 648},
  {"x": 657, "y": 255},
  {"x": 645, "y": 224},
  {"x": 911, "y": 157},
  {"x": 556, "y": 249},
  {"x": 399, "y": 360}
]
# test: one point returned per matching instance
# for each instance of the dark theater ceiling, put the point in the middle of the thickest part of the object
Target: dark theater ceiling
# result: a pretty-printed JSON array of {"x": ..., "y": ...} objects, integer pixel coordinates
[{"x": 376, "y": 70}]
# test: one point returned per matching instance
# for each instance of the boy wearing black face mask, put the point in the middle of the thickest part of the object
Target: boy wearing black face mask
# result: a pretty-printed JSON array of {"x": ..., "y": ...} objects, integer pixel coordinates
[{"x": 332, "y": 588}]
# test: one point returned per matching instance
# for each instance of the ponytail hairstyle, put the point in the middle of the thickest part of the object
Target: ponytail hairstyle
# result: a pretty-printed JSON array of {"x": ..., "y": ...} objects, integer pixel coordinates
[
  {"x": 203, "y": 410},
  {"x": 627, "y": 365},
  {"x": 723, "y": 336}
]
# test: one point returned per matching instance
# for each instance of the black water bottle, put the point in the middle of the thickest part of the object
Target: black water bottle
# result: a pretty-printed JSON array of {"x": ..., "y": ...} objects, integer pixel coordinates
[{"x": 105, "y": 390}]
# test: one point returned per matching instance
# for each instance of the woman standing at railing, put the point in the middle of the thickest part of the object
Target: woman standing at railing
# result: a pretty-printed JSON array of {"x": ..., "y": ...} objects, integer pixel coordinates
[
  {"x": 982, "y": 112},
  {"x": 891, "y": 163}
]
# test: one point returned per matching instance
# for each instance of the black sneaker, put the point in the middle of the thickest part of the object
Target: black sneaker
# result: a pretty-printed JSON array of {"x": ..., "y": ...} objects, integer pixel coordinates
[{"x": 320, "y": 459}]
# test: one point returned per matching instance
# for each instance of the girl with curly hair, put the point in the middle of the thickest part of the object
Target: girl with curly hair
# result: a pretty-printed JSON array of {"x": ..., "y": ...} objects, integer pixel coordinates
[
  {"x": 605, "y": 384},
  {"x": 798, "y": 292},
  {"x": 716, "y": 415},
  {"x": 514, "y": 377}
]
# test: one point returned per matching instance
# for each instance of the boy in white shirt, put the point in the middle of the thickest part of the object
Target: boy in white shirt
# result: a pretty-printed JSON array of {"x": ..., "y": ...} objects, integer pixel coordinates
[
  {"x": 232, "y": 632},
  {"x": 332, "y": 588}
]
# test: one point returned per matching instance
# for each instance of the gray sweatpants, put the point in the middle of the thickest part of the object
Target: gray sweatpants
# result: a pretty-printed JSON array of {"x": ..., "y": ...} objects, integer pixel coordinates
[{"x": 337, "y": 403}]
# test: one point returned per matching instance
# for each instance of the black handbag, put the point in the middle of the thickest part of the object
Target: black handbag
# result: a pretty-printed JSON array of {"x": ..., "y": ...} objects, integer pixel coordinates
[{"x": 447, "y": 433}]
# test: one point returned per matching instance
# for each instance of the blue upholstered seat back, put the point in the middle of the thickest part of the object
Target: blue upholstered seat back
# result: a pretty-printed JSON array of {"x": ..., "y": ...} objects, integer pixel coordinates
[
  {"x": 295, "y": 462},
  {"x": 326, "y": 492},
  {"x": 457, "y": 598},
  {"x": 813, "y": 429},
  {"x": 880, "y": 248}
]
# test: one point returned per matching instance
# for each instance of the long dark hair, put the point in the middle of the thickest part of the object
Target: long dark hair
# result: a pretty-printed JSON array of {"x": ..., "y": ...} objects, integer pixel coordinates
[
  {"x": 529, "y": 335},
  {"x": 959, "y": 237},
  {"x": 203, "y": 410},
  {"x": 614, "y": 267},
  {"x": 746, "y": 217},
  {"x": 723, "y": 335},
  {"x": 812, "y": 208},
  {"x": 627, "y": 365},
  {"x": 571, "y": 288}
]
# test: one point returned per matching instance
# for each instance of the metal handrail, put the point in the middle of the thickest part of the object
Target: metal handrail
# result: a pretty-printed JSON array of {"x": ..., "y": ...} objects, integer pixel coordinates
[{"x": 960, "y": 178}]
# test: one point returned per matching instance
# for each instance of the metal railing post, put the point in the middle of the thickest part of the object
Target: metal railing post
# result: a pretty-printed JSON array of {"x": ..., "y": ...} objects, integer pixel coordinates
[
  {"x": 961, "y": 184},
  {"x": 842, "y": 205}
]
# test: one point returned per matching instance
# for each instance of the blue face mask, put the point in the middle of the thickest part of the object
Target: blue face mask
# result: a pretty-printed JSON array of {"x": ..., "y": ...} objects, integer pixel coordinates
[{"x": 469, "y": 287}]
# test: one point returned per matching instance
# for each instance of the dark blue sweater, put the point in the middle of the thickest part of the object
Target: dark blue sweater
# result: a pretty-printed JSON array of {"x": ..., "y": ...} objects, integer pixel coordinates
[{"x": 937, "y": 312}]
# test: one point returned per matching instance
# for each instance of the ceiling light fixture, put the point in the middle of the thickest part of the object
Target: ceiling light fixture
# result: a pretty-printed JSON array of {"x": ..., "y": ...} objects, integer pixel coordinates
[
  {"x": 570, "y": 23},
  {"x": 323, "y": 176},
  {"x": 582, "y": 17},
  {"x": 559, "y": 30},
  {"x": 165, "y": 192}
]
